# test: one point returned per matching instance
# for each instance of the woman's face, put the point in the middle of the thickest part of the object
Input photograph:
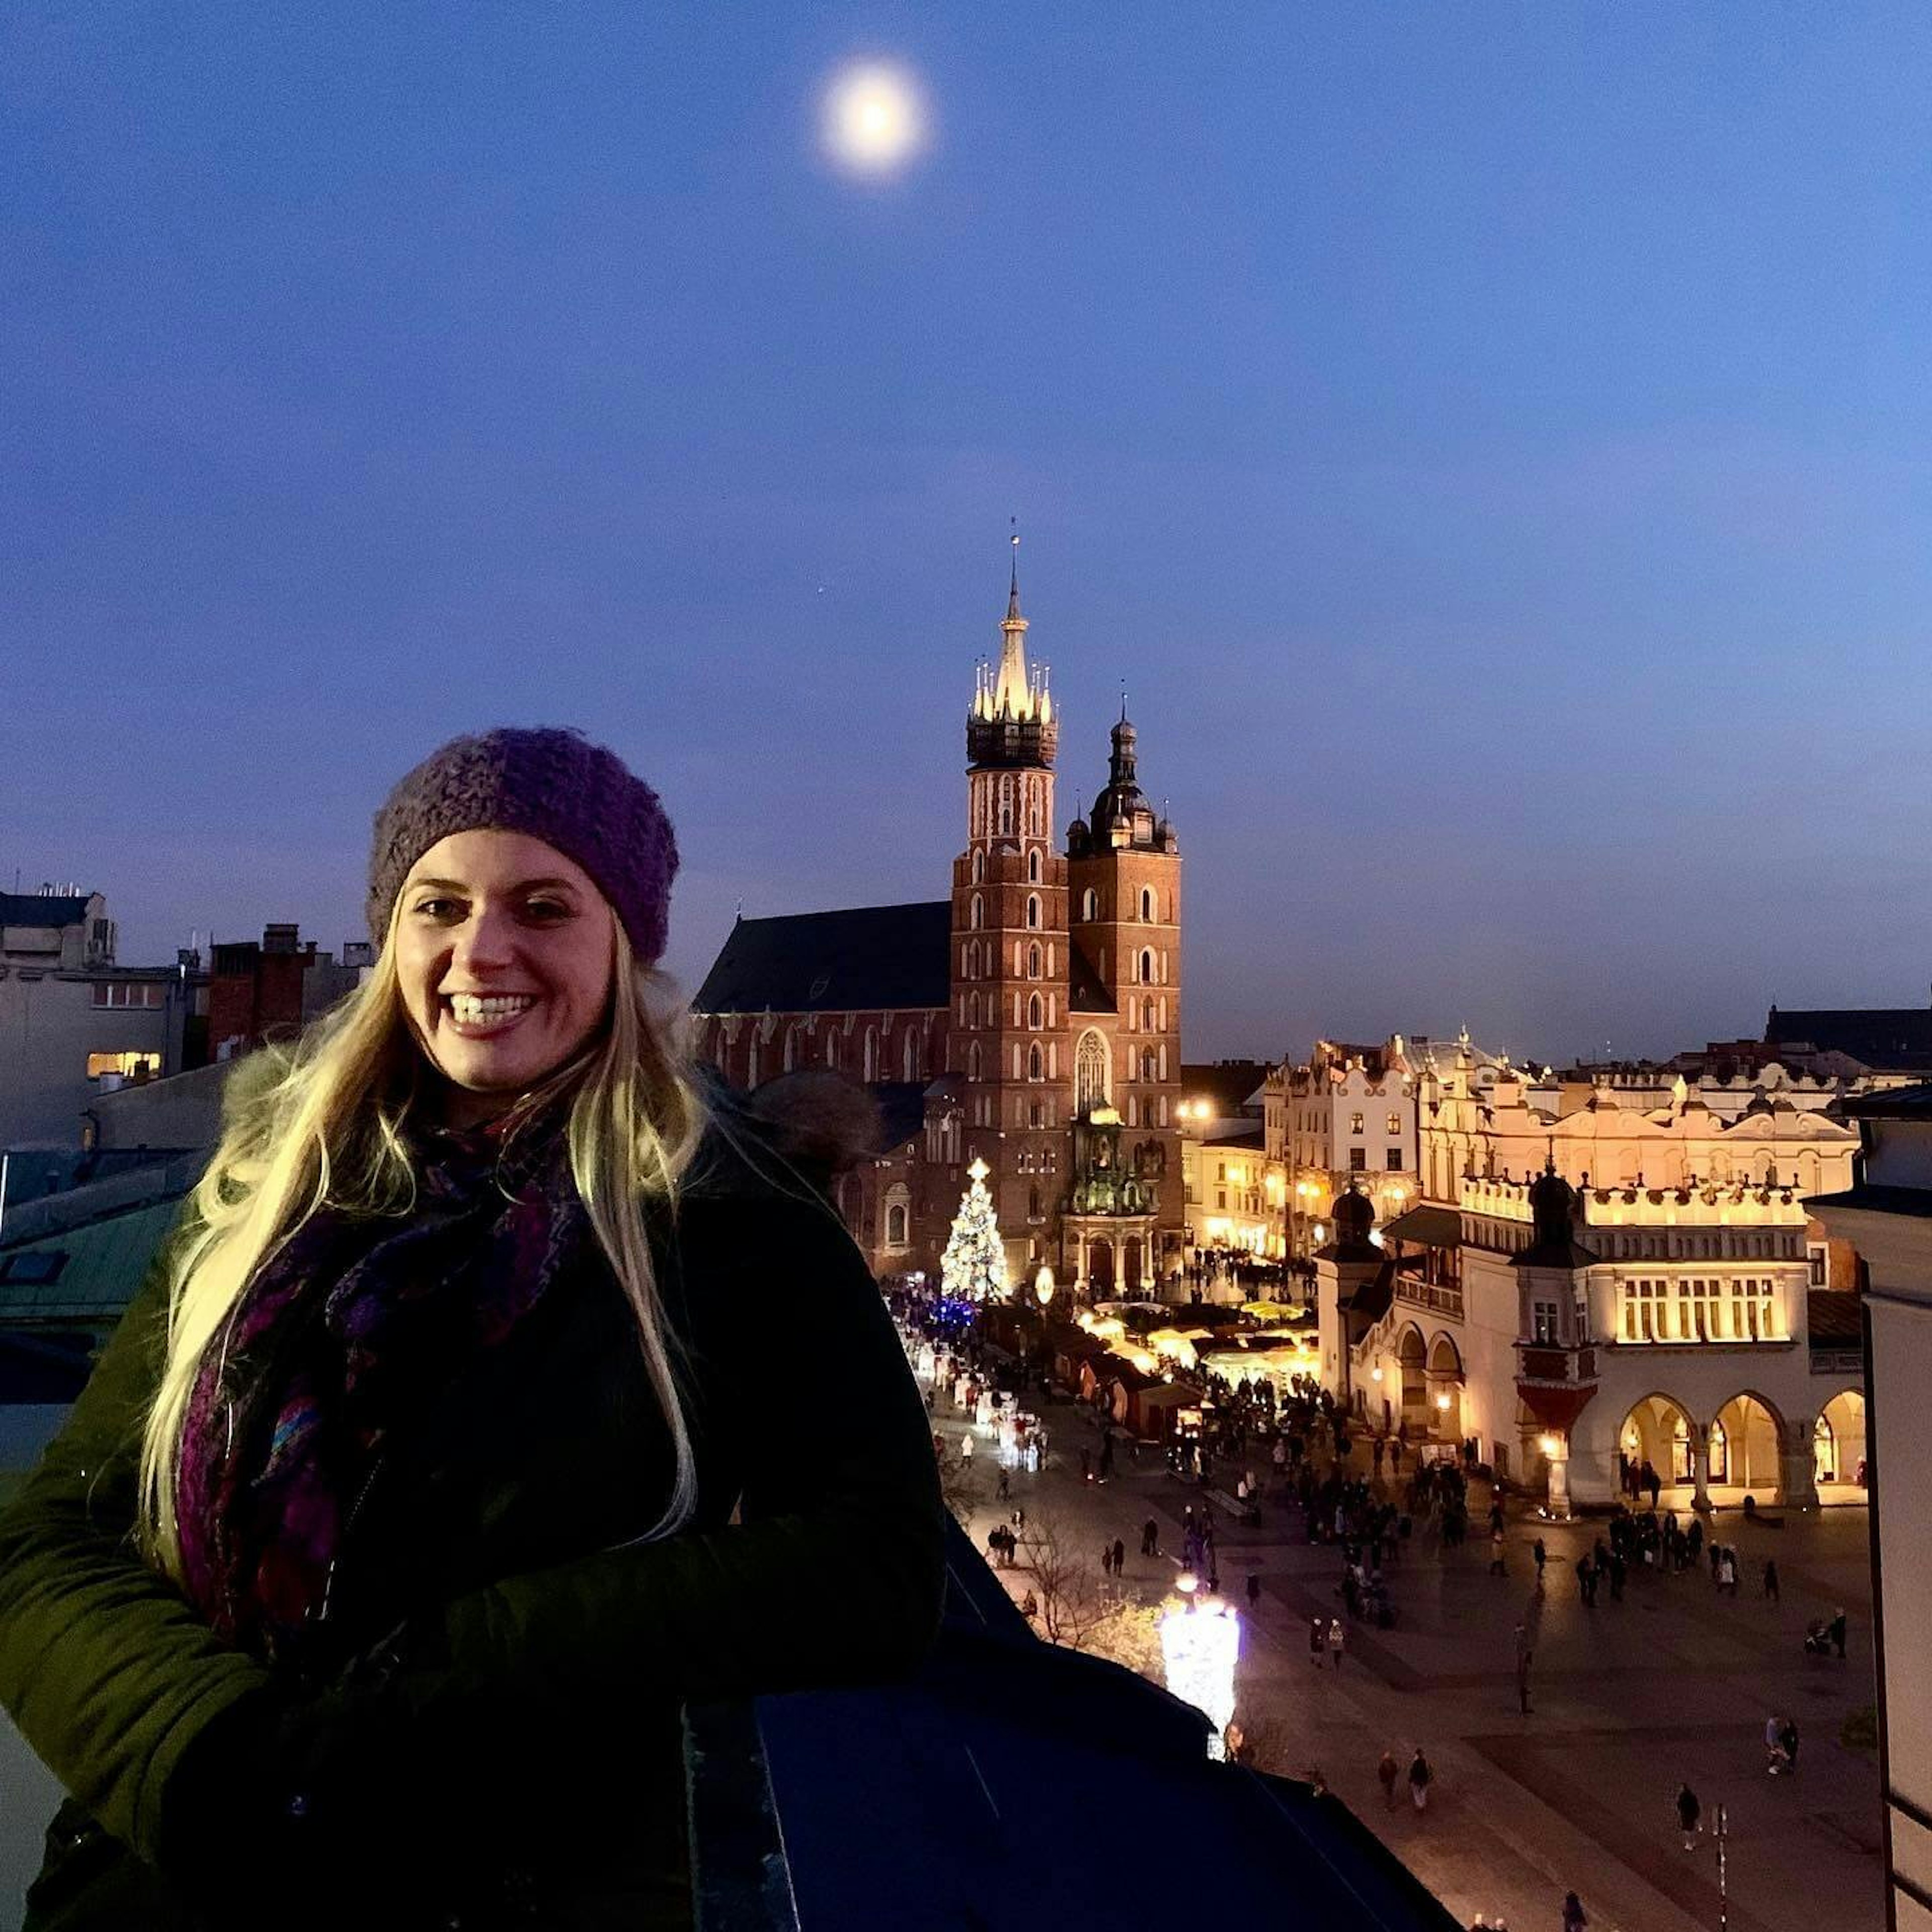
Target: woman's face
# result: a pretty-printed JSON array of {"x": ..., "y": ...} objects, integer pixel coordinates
[{"x": 504, "y": 950}]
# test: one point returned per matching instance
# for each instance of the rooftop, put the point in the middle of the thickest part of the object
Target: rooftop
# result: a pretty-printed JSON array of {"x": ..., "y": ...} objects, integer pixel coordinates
[{"x": 859, "y": 959}]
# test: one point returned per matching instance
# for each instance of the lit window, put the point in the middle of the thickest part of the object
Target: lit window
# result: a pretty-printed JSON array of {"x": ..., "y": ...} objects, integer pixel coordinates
[{"x": 129, "y": 1066}]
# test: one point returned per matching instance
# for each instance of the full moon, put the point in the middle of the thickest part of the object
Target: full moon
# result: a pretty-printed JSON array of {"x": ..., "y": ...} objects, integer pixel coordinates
[{"x": 875, "y": 119}]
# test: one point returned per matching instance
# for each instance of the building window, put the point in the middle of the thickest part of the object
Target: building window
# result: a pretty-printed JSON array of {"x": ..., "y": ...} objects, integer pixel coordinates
[
  {"x": 1147, "y": 905},
  {"x": 128, "y": 1065},
  {"x": 978, "y": 867},
  {"x": 1032, "y": 866},
  {"x": 895, "y": 1226},
  {"x": 1544, "y": 1322},
  {"x": 1146, "y": 1016},
  {"x": 1394, "y": 1125},
  {"x": 973, "y": 1061},
  {"x": 1816, "y": 1254},
  {"x": 832, "y": 1049},
  {"x": 1035, "y": 1012},
  {"x": 1089, "y": 1073},
  {"x": 1143, "y": 965},
  {"x": 976, "y": 914},
  {"x": 1033, "y": 910},
  {"x": 1090, "y": 904},
  {"x": 1358, "y": 1160},
  {"x": 1032, "y": 1203},
  {"x": 1033, "y": 962},
  {"x": 1036, "y": 1063},
  {"x": 126, "y": 993},
  {"x": 1355, "y": 1124},
  {"x": 1395, "y": 1160}
]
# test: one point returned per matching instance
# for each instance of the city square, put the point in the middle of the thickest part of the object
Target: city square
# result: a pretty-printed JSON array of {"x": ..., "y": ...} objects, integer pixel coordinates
[{"x": 1628, "y": 1700}]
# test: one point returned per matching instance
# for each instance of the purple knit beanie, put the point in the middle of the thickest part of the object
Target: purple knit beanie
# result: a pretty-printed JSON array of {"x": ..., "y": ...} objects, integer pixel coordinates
[{"x": 554, "y": 785}]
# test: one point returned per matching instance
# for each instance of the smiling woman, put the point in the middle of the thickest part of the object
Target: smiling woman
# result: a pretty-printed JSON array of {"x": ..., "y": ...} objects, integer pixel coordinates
[{"x": 430, "y": 1458}]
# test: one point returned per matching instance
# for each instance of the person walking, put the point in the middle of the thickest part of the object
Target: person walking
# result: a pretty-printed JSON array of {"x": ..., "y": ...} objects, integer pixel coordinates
[
  {"x": 1387, "y": 1772},
  {"x": 1106, "y": 1559},
  {"x": 1419, "y": 1778},
  {"x": 1120, "y": 1556},
  {"x": 1496, "y": 1553},
  {"x": 1837, "y": 1633},
  {"x": 1318, "y": 1640},
  {"x": 1787, "y": 1739},
  {"x": 966, "y": 1447},
  {"x": 1542, "y": 1556},
  {"x": 326, "y": 1598},
  {"x": 1771, "y": 1579},
  {"x": 1523, "y": 1661},
  {"x": 1573, "y": 1920},
  {"x": 1337, "y": 1638},
  {"x": 1254, "y": 1590},
  {"x": 1689, "y": 1813}
]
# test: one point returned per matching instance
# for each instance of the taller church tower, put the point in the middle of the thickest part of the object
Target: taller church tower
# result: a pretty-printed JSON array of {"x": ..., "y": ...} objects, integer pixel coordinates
[{"x": 1008, "y": 1040}]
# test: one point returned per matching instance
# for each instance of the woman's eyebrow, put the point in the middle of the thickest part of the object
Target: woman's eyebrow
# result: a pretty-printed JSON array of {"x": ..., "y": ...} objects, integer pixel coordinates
[{"x": 522, "y": 885}]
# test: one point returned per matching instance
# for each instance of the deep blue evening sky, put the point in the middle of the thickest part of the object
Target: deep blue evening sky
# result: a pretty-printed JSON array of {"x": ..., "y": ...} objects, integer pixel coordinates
[{"x": 1490, "y": 441}]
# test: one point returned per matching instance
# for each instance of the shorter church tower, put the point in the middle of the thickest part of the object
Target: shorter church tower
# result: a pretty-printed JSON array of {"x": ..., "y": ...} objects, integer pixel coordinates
[{"x": 1123, "y": 881}]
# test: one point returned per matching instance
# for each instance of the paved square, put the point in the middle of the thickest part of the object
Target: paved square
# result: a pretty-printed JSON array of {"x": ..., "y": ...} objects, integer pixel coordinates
[{"x": 1627, "y": 1699}]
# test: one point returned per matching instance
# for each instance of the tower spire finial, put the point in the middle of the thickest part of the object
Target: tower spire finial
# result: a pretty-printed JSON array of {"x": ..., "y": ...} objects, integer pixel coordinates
[{"x": 1013, "y": 595}]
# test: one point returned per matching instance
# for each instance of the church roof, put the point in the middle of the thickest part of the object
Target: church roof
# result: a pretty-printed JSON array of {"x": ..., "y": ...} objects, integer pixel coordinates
[{"x": 855, "y": 960}]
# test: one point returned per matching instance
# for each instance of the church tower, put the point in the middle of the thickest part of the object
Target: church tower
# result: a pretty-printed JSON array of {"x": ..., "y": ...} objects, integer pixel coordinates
[
  {"x": 1007, "y": 1044},
  {"x": 1123, "y": 877}
]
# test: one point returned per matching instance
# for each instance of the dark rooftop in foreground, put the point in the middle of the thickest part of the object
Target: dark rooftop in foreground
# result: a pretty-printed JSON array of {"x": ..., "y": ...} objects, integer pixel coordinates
[
  {"x": 854, "y": 960},
  {"x": 1012, "y": 1787}
]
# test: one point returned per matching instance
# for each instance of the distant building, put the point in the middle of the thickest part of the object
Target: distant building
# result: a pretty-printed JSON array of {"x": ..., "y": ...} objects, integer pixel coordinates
[
  {"x": 1343, "y": 1119},
  {"x": 271, "y": 989},
  {"x": 1893, "y": 1043},
  {"x": 1232, "y": 1186},
  {"x": 1887, "y": 1214},
  {"x": 74, "y": 1023},
  {"x": 1584, "y": 1280},
  {"x": 1035, "y": 1012}
]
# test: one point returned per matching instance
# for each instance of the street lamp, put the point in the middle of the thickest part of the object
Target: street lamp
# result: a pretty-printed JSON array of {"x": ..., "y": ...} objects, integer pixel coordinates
[{"x": 1042, "y": 1284}]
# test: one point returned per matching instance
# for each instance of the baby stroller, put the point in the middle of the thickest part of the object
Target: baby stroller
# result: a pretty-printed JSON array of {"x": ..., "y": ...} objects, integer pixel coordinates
[{"x": 1817, "y": 1638}]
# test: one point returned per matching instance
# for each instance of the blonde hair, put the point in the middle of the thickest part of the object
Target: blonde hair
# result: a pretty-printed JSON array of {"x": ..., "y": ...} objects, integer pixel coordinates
[{"x": 328, "y": 1129}]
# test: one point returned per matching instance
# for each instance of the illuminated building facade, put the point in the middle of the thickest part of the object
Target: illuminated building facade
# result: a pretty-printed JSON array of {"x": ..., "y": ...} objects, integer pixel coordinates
[
  {"x": 1583, "y": 1284},
  {"x": 1031, "y": 1019}
]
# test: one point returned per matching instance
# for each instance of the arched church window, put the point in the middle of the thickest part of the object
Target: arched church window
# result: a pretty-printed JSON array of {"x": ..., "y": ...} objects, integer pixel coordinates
[
  {"x": 973, "y": 1061},
  {"x": 1033, "y": 962},
  {"x": 977, "y": 913},
  {"x": 1035, "y": 1012},
  {"x": 790, "y": 1048},
  {"x": 832, "y": 1049},
  {"x": 751, "y": 1062},
  {"x": 972, "y": 1010},
  {"x": 1146, "y": 1016},
  {"x": 1089, "y": 1073},
  {"x": 1146, "y": 965},
  {"x": 1090, "y": 904},
  {"x": 1033, "y": 909},
  {"x": 1147, "y": 1064},
  {"x": 1032, "y": 865},
  {"x": 978, "y": 867},
  {"x": 895, "y": 1226},
  {"x": 1006, "y": 806},
  {"x": 871, "y": 1061},
  {"x": 1036, "y": 1063},
  {"x": 909, "y": 1058},
  {"x": 1147, "y": 904},
  {"x": 1032, "y": 1203}
]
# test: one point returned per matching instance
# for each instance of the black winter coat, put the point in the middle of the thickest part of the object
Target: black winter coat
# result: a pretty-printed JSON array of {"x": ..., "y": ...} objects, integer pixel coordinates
[{"x": 498, "y": 1742}]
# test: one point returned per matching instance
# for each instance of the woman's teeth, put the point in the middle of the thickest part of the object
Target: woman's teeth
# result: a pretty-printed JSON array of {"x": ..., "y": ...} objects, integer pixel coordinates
[{"x": 472, "y": 1008}]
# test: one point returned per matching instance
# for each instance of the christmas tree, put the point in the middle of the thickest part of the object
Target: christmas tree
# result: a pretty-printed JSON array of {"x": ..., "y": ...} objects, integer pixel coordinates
[{"x": 974, "y": 1264}]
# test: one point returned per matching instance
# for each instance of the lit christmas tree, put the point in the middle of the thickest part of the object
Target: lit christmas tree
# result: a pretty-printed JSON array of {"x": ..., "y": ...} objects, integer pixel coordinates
[{"x": 974, "y": 1264}]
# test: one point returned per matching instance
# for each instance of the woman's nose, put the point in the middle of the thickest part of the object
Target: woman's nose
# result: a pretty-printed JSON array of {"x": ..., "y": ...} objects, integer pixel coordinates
[{"x": 483, "y": 943}]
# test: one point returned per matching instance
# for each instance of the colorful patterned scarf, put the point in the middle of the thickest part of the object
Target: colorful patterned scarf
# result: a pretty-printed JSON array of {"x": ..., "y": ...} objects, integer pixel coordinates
[{"x": 350, "y": 1330}]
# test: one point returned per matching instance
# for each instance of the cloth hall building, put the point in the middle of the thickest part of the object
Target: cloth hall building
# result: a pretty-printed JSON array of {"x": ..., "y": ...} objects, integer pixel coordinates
[{"x": 1030, "y": 1019}]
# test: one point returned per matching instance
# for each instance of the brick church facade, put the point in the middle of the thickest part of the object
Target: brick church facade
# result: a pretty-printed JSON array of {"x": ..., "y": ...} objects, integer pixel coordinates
[{"x": 1030, "y": 1019}]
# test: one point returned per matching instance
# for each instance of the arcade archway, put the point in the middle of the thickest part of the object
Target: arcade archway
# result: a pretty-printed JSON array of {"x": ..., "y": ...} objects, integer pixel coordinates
[{"x": 1744, "y": 1447}]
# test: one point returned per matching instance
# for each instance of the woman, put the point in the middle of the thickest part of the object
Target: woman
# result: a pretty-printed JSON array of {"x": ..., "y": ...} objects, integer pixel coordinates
[{"x": 448, "y": 1450}]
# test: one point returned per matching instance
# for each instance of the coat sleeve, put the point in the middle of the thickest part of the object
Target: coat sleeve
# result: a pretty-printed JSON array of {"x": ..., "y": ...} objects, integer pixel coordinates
[
  {"x": 105, "y": 1667},
  {"x": 836, "y": 1572}
]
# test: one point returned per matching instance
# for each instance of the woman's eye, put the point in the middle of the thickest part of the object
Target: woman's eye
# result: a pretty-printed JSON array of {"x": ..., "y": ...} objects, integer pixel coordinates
[
  {"x": 437, "y": 908},
  {"x": 546, "y": 909}
]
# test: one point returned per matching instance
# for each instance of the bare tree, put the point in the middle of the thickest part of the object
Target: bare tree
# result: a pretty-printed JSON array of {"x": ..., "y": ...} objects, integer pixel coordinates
[
  {"x": 960, "y": 1487},
  {"x": 1072, "y": 1604}
]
